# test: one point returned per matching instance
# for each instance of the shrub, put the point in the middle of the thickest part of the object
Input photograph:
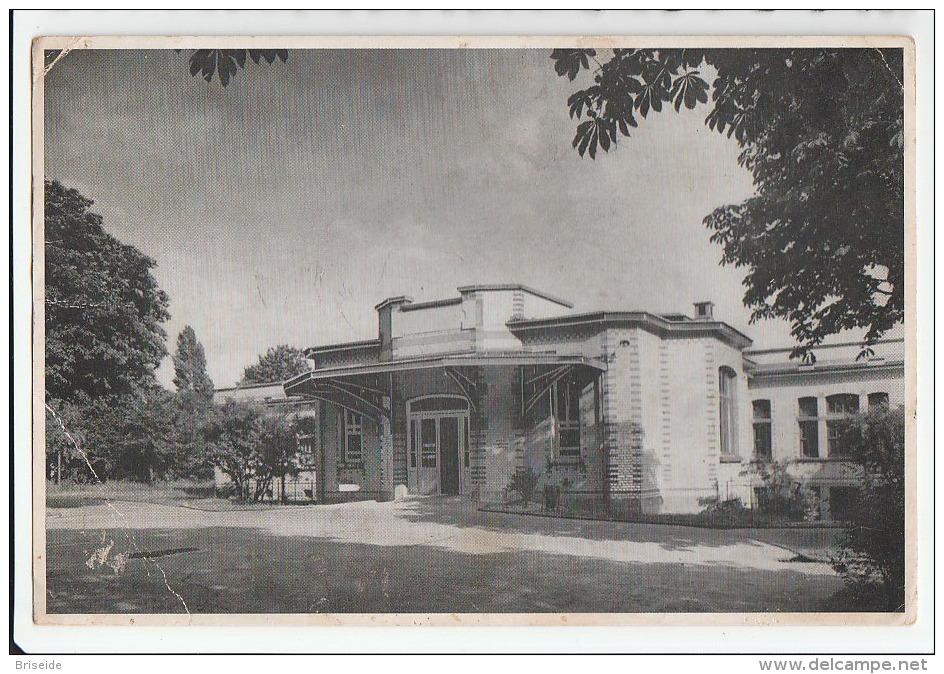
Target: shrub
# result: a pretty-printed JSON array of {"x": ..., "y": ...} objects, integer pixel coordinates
[
  {"x": 523, "y": 482},
  {"x": 872, "y": 557},
  {"x": 723, "y": 512},
  {"x": 781, "y": 496}
]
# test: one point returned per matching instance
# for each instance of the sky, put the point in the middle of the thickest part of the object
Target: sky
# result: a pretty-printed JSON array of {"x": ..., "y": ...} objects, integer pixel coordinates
[{"x": 283, "y": 207}]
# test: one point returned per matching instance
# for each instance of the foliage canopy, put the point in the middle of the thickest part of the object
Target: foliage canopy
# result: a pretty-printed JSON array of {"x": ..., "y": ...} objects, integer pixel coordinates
[
  {"x": 224, "y": 63},
  {"x": 252, "y": 445},
  {"x": 822, "y": 133},
  {"x": 104, "y": 309},
  {"x": 194, "y": 393},
  {"x": 278, "y": 364}
]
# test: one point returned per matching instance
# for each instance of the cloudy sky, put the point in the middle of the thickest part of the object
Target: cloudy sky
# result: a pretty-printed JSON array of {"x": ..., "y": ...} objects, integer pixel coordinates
[{"x": 282, "y": 208}]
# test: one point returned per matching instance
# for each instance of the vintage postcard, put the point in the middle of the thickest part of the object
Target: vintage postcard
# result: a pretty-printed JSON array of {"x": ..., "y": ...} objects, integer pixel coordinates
[{"x": 474, "y": 331}]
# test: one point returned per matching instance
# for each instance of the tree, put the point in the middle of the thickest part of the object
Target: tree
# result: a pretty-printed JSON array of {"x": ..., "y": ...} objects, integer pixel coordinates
[
  {"x": 194, "y": 393},
  {"x": 104, "y": 310},
  {"x": 251, "y": 446},
  {"x": 278, "y": 449},
  {"x": 64, "y": 439},
  {"x": 872, "y": 558},
  {"x": 233, "y": 433},
  {"x": 224, "y": 63},
  {"x": 127, "y": 436},
  {"x": 190, "y": 375},
  {"x": 144, "y": 450},
  {"x": 781, "y": 495},
  {"x": 822, "y": 132},
  {"x": 278, "y": 364}
]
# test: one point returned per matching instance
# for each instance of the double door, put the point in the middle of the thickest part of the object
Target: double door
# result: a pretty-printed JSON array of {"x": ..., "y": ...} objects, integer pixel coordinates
[{"x": 438, "y": 456}]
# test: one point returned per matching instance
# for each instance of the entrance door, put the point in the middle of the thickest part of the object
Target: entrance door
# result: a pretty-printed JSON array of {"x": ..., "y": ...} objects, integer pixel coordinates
[
  {"x": 449, "y": 455},
  {"x": 438, "y": 460}
]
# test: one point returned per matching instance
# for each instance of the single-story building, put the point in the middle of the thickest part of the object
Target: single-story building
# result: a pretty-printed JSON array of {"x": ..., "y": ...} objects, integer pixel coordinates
[{"x": 505, "y": 386}]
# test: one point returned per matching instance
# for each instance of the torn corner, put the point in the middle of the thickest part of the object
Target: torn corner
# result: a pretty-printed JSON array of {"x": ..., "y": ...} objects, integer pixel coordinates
[{"x": 52, "y": 56}]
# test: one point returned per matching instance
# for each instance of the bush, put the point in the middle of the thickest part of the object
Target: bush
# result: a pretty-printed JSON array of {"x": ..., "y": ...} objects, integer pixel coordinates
[
  {"x": 872, "y": 557},
  {"x": 524, "y": 482},
  {"x": 781, "y": 496},
  {"x": 227, "y": 490},
  {"x": 726, "y": 512}
]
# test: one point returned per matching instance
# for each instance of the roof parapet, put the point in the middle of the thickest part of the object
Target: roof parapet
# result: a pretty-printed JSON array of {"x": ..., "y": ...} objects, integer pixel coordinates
[
  {"x": 490, "y": 287},
  {"x": 652, "y": 322}
]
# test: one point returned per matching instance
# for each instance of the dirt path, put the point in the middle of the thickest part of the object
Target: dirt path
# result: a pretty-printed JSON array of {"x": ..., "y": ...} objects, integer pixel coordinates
[{"x": 408, "y": 557}]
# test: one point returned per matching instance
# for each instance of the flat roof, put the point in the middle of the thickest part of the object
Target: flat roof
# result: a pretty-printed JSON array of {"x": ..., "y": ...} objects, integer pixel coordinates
[
  {"x": 407, "y": 302},
  {"x": 432, "y": 304},
  {"x": 489, "y": 287},
  {"x": 654, "y": 322},
  {"x": 761, "y": 370},
  {"x": 836, "y": 345}
]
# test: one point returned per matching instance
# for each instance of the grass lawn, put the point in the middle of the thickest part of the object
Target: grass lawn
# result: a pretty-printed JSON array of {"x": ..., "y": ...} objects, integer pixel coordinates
[{"x": 186, "y": 493}]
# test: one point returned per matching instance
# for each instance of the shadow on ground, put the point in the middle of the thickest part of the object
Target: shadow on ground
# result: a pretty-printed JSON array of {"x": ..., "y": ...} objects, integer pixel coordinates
[
  {"x": 458, "y": 513},
  {"x": 249, "y": 570}
]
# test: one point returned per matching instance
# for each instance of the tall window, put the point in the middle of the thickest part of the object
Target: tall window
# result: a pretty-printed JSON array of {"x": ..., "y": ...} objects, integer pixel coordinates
[
  {"x": 566, "y": 398},
  {"x": 808, "y": 419},
  {"x": 352, "y": 439},
  {"x": 763, "y": 443},
  {"x": 307, "y": 454},
  {"x": 878, "y": 401},
  {"x": 727, "y": 409},
  {"x": 429, "y": 449},
  {"x": 838, "y": 408}
]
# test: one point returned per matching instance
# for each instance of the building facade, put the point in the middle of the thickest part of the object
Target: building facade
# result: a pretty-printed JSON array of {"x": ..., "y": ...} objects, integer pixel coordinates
[{"x": 505, "y": 388}]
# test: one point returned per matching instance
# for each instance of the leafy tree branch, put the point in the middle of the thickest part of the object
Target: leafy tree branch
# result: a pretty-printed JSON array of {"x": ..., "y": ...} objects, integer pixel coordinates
[{"x": 822, "y": 133}]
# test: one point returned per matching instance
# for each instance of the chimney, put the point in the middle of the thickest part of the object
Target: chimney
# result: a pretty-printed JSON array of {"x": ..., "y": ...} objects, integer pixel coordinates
[{"x": 704, "y": 311}]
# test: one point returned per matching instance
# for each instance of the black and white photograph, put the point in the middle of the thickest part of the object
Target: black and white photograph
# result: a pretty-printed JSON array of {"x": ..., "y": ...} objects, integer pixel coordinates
[{"x": 474, "y": 330}]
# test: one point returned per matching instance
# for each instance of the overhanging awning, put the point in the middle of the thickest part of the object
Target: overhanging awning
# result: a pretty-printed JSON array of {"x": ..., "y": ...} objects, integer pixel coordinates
[
  {"x": 362, "y": 388},
  {"x": 452, "y": 360}
]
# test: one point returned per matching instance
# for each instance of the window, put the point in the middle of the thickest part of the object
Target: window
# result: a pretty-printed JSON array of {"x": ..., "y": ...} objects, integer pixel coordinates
[
  {"x": 352, "y": 440},
  {"x": 763, "y": 444},
  {"x": 808, "y": 419},
  {"x": 438, "y": 404},
  {"x": 565, "y": 396},
  {"x": 727, "y": 410},
  {"x": 428, "y": 446},
  {"x": 306, "y": 435},
  {"x": 838, "y": 408},
  {"x": 878, "y": 401},
  {"x": 306, "y": 449},
  {"x": 423, "y": 447}
]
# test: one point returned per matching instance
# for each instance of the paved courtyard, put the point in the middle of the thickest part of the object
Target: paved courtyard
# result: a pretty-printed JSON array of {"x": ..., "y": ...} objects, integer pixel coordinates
[{"x": 413, "y": 556}]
